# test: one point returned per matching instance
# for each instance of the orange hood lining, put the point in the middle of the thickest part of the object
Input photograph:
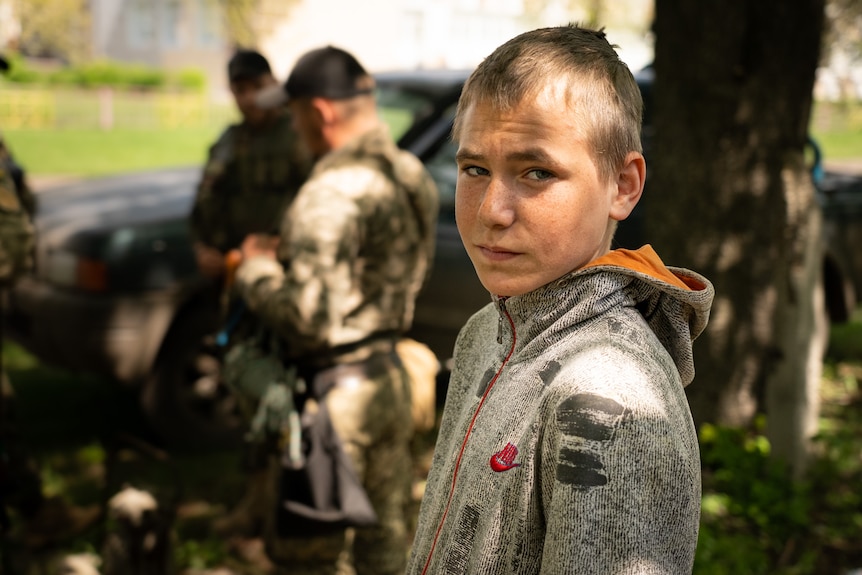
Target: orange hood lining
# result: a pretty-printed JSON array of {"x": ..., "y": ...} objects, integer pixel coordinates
[{"x": 644, "y": 260}]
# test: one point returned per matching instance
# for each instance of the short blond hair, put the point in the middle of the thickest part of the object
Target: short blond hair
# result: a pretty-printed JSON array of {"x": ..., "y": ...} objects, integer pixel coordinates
[{"x": 601, "y": 88}]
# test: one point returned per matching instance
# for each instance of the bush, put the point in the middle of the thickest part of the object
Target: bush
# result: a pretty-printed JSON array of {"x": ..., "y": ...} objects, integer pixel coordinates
[
  {"x": 191, "y": 79},
  {"x": 106, "y": 73},
  {"x": 19, "y": 73},
  {"x": 753, "y": 513},
  {"x": 756, "y": 519},
  {"x": 115, "y": 75}
]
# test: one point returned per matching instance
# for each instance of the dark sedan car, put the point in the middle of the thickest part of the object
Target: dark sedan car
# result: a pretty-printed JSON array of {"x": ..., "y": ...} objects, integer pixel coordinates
[{"x": 116, "y": 291}]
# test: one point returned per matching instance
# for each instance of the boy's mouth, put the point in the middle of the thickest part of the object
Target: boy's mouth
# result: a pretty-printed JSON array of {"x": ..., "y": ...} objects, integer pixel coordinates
[{"x": 495, "y": 253}]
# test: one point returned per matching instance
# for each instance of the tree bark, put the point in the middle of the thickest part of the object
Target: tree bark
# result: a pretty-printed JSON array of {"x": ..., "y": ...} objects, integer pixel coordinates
[{"x": 729, "y": 195}]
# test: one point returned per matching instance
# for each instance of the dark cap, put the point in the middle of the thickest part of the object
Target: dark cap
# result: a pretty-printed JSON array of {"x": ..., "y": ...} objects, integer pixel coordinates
[
  {"x": 4, "y": 64},
  {"x": 246, "y": 64},
  {"x": 328, "y": 72}
]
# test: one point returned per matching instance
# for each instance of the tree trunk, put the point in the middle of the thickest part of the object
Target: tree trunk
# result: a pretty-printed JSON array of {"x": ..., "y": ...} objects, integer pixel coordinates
[{"x": 729, "y": 195}]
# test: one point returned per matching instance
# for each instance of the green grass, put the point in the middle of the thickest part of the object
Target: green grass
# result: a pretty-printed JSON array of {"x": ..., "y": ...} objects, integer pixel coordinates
[
  {"x": 81, "y": 152},
  {"x": 840, "y": 145},
  {"x": 93, "y": 152},
  {"x": 837, "y": 127},
  {"x": 96, "y": 152}
]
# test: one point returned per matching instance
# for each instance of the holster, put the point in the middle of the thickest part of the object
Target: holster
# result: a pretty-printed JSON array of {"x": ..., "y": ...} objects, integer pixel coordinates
[{"x": 321, "y": 493}]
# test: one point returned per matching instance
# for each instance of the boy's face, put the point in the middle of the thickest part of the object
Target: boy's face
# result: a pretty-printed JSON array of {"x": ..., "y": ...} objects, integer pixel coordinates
[{"x": 530, "y": 205}]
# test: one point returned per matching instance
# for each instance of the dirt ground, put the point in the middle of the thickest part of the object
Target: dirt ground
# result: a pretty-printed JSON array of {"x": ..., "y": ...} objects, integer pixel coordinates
[{"x": 90, "y": 440}]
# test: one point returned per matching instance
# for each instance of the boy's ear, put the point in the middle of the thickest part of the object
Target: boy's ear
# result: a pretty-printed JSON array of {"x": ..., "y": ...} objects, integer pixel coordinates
[{"x": 629, "y": 185}]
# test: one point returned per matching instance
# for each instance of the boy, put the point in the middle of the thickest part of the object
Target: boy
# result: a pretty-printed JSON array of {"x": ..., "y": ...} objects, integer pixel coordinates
[{"x": 566, "y": 445}]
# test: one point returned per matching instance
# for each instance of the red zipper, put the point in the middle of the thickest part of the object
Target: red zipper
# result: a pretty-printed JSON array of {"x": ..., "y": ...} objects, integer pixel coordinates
[{"x": 504, "y": 311}]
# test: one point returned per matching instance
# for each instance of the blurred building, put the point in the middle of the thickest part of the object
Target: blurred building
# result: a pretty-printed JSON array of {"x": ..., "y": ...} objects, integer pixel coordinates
[
  {"x": 384, "y": 34},
  {"x": 397, "y": 34},
  {"x": 163, "y": 33}
]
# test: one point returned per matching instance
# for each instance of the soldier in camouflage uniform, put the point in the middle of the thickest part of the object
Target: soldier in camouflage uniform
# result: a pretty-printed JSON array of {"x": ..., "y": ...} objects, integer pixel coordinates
[
  {"x": 339, "y": 289},
  {"x": 252, "y": 174},
  {"x": 44, "y": 519},
  {"x": 20, "y": 486},
  {"x": 253, "y": 171}
]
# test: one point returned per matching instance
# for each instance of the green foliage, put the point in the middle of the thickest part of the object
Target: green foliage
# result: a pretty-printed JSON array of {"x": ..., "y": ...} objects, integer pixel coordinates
[
  {"x": 247, "y": 20},
  {"x": 55, "y": 28},
  {"x": 846, "y": 341},
  {"x": 23, "y": 75},
  {"x": 843, "y": 21},
  {"x": 107, "y": 73},
  {"x": 112, "y": 74},
  {"x": 750, "y": 504},
  {"x": 191, "y": 79},
  {"x": 199, "y": 554},
  {"x": 720, "y": 552},
  {"x": 755, "y": 519},
  {"x": 837, "y": 471}
]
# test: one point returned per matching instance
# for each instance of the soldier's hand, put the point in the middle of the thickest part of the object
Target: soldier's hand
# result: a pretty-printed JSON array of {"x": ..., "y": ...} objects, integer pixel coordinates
[
  {"x": 210, "y": 260},
  {"x": 259, "y": 245},
  {"x": 232, "y": 259}
]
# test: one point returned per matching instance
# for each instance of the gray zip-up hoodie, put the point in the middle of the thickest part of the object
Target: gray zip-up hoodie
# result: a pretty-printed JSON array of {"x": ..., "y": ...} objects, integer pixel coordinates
[{"x": 567, "y": 444}]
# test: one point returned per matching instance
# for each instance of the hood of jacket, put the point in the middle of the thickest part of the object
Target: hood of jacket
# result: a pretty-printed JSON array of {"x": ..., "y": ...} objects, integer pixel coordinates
[{"x": 675, "y": 303}]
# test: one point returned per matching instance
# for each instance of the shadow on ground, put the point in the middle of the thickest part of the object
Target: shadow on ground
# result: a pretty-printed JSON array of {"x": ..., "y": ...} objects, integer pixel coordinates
[{"x": 89, "y": 439}]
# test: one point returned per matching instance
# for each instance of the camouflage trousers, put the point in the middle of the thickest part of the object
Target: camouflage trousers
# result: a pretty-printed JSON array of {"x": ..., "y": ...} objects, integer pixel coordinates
[{"x": 372, "y": 416}]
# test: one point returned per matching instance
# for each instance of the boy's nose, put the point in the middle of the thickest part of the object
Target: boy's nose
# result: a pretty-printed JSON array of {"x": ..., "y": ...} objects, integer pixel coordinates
[{"x": 497, "y": 208}]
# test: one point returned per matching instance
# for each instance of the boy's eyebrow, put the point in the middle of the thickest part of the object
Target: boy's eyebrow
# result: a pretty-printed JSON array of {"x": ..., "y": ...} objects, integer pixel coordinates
[
  {"x": 533, "y": 154},
  {"x": 465, "y": 154}
]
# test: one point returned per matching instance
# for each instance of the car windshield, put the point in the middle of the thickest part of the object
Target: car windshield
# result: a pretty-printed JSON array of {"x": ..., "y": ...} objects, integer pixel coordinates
[
  {"x": 399, "y": 108},
  {"x": 402, "y": 105}
]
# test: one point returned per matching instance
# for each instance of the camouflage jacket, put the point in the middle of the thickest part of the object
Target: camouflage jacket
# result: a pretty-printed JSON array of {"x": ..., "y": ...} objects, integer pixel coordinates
[
  {"x": 250, "y": 177},
  {"x": 356, "y": 247},
  {"x": 16, "y": 228}
]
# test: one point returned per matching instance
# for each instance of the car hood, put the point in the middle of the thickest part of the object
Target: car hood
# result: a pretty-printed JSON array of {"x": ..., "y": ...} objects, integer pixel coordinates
[
  {"x": 840, "y": 194},
  {"x": 115, "y": 201}
]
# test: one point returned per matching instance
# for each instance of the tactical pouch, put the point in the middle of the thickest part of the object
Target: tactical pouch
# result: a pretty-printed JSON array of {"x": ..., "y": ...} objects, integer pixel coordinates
[
  {"x": 320, "y": 493},
  {"x": 248, "y": 369}
]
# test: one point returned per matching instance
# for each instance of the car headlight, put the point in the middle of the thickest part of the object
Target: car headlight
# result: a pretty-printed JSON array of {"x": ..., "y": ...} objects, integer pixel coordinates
[{"x": 72, "y": 270}]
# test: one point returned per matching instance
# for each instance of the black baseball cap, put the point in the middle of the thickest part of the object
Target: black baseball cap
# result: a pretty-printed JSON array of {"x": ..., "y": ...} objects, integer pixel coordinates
[
  {"x": 247, "y": 64},
  {"x": 328, "y": 72}
]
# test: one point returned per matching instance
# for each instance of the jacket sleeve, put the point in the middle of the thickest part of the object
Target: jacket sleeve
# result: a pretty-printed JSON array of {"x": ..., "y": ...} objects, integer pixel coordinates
[
  {"x": 620, "y": 479},
  {"x": 207, "y": 215},
  {"x": 17, "y": 234},
  {"x": 306, "y": 295}
]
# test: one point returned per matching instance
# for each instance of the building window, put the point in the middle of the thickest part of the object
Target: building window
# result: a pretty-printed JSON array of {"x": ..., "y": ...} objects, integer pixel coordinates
[
  {"x": 208, "y": 23},
  {"x": 141, "y": 23},
  {"x": 171, "y": 20}
]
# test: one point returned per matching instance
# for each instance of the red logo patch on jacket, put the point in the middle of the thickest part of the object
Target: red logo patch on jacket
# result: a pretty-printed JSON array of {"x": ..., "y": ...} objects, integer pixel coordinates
[{"x": 505, "y": 459}]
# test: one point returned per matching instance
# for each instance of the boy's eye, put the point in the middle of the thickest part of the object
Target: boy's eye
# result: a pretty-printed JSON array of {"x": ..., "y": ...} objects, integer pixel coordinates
[
  {"x": 475, "y": 171},
  {"x": 539, "y": 174}
]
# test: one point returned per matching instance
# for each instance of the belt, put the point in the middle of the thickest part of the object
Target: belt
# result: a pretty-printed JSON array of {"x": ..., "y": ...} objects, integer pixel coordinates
[{"x": 345, "y": 356}]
